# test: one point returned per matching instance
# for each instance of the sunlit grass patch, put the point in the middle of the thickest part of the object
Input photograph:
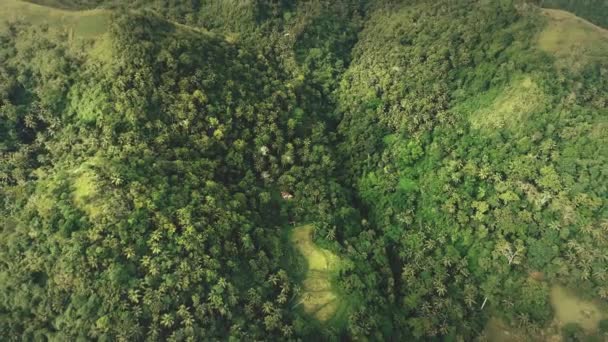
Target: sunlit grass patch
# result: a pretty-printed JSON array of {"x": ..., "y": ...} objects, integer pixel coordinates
[
  {"x": 571, "y": 309},
  {"x": 328, "y": 310},
  {"x": 317, "y": 297},
  {"x": 317, "y": 258},
  {"x": 511, "y": 106},
  {"x": 497, "y": 331},
  {"x": 574, "y": 41},
  {"x": 78, "y": 24},
  {"x": 316, "y": 281},
  {"x": 85, "y": 190}
]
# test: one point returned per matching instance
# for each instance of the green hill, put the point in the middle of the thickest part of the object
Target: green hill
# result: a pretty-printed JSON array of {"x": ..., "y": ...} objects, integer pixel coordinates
[
  {"x": 79, "y": 24},
  {"x": 157, "y": 156},
  {"x": 572, "y": 40}
]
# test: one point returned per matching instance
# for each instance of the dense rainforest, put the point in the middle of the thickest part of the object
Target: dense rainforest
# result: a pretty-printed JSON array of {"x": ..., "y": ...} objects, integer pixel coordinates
[{"x": 163, "y": 163}]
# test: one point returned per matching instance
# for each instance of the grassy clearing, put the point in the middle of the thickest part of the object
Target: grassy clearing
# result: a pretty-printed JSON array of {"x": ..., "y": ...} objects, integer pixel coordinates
[
  {"x": 85, "y": 187},
  {"x": 82, "y": 26},
  {"x": 571, "y": 309},
  {"x": 568, "y": 308},
  {"x": 318, "y": 259},
  {"x": 85, "y": 193},
  {"x": 497, "y": 331},
  {"x": 79, "y": 24},
  {"x": 508, "y": 107},
  {"x": 574, "y": 41},
  {"x": 318, "y": 298}
]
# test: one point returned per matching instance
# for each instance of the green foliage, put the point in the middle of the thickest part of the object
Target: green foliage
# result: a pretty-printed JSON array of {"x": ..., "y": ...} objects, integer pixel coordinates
[
  {"x": 149, "y": 170},
  {"x": 573, "y": 332},
  {"x": 455, "y": 213}
]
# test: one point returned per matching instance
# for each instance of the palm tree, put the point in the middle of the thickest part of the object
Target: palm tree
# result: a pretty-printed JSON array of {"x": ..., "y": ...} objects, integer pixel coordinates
[
  {"x": 331, "y": 234},
  {"x": 440, "y": 288},
  {"x": 447, "y": 261},
  {"x": 604, "y": 225},
  {"x": 444, "y": 328},
  {"x": 167, "y": 320},
  {"x": 469, "y": 300},
  {"x": 287, "y": 330},
  {"x": 587, "y": 229},
  {"x": 600, "y": 274},
  {"x": 507, "y": 303},
  {"x": 523, "y": 319},
  {"x": 282, "y": 298},
  {"x": 134, "y": 295},
  {"x": 267, "y": 308},
  {"x": 555, "y": 226}
]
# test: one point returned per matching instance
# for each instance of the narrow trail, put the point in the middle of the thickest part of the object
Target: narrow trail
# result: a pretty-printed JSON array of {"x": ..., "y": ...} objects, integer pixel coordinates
[{"x": 317, "y": 297}]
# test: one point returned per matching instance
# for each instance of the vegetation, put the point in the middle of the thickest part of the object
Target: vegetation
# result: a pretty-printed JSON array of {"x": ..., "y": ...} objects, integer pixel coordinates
[
  {"x": 570, "y": 310},
  {"x": 84, "y": 24},
  {"x": 573, "y": 41},
  {"x": 448, "y": 157},
  {"x": 592, "y": 10},
  {"x": 317, "y": 296}
]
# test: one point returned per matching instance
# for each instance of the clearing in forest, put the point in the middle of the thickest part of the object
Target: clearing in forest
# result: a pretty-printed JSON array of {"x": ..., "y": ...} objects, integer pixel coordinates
[
  {"x": 573, "y": 40},
  {"x": 79, "y": 25},
  {"x": 317, "y": 296},
  {"x": 511, "y": 108},
  {"x": 82, "y": 24},
  {"x": 86, "y": 191},
  {"x": 571, "y": 309},
  {"x": 497, "y": 331},
  {"x": 568, "y": 308}
]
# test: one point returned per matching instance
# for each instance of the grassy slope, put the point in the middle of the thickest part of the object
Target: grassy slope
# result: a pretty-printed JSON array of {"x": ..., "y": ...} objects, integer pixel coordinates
[
  {"x": 80, "y": 24},
  {"x": 572, "y": 40},
  {"x": 510, "y": 107},
  {"x": 571, "y": 309},
  {"x": 317, "y": 297},
  {"x": 86, "y": 193}
]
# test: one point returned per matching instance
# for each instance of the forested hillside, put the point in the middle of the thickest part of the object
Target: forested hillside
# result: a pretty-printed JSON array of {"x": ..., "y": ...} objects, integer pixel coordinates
[{"x": 282, "y": 170}]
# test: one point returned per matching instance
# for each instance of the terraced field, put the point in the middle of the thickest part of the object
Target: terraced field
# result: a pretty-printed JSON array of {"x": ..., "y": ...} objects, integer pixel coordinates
[{"x": 317, "y": 297}]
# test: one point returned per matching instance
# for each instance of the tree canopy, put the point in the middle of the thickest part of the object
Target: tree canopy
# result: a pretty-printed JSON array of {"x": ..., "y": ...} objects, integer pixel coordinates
[{"x": 452, "y": 155}]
